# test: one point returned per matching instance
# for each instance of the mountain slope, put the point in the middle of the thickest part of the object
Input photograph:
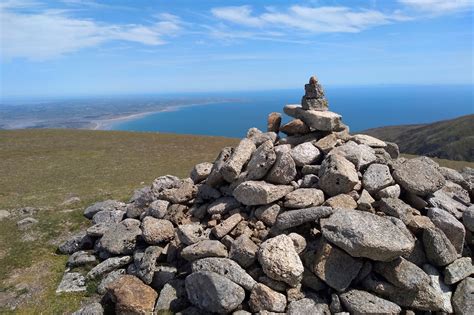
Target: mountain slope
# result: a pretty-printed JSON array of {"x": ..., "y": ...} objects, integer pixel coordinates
[{"x": 448, "y": 139}]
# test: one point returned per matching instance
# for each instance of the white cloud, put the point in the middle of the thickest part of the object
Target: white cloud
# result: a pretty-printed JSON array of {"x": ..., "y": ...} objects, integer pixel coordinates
[
  {"x": 45, "y": 34},
  {"x": 309, "y": 19},
  {"x": 438, "y": 6}
]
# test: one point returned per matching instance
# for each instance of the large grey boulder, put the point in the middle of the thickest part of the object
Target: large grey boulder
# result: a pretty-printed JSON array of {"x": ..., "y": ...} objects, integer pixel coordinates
[
  {"x": 80, "y": 258},
  {"x": 418, "y": 176},
  {"x": 440, "y": 288},
  {"x": 337, "y": 175},
  {"x": 107, "y": 205},
  {"x": 243, "y": 250},
  {"x": 280, "y": 261},
  {"x": 463, "y": 298},
  {"x": 363, "y": 302},
  {"x": 156, "y": 231},
  {"x": 329, "y": 262},
  {"x": 72, "y": 282},
  {"x": 192, "y": 233},
  {"x": 200, "y": 172},
  {"x": 261, "y": 162},
  {"x": 363, "y": 234},
  {"x": 438, "y": 248},
  {"x": 305, "y": 154},
  {"x": 396, "y": 208},
  {"x": 402, "y": 273},
  {"x": 468, "y": 218},
  {"x": 284, "y": 168},
  {"x": 315, "y": 120},
  {"x": 227, "y": 268},
  {"x": 108, "y": 216},
  {"x": 241, "y": 155},
  {"x": 182, "y": 193},
  {"x": 458, "y": 270},
  {"x": 452, "y": 228},
  {"x": 292, "y": 218},
  {"x": 360, "y": 155},
  {"x": 303, "y": 198},
  {"x": 121, "y": 238},
  {"x": 376, "y": 178},
  {"x": 202, "y": 249},
  {"x": 212, "y": 292},
  {"x": 253, "y": 193}
]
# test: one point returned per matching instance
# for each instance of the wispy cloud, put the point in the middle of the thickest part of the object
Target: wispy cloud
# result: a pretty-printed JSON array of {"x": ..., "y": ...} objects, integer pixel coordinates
[
  {"x": 48, "y": 33},
  {"x": 326, "y": 19},
  {"x": 439, "y": 6}
]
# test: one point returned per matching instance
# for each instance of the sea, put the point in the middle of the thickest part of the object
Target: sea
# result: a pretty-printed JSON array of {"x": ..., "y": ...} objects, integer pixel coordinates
[{"x": 361, "y": 107}]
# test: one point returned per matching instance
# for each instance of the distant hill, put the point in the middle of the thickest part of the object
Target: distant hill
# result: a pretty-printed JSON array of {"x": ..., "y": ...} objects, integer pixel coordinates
[{"x": 448, "y": 139}]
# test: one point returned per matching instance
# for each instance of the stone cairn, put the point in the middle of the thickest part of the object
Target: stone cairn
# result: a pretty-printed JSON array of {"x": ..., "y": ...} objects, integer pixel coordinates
[{"x": 317, "y": 222}]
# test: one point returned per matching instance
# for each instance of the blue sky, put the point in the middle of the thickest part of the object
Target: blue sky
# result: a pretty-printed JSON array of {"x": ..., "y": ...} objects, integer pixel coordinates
[{"x": 74, "y": 47}]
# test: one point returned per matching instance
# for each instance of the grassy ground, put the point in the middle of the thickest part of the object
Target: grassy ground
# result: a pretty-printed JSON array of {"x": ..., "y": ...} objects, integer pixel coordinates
[{"x": 43, "y": 168}]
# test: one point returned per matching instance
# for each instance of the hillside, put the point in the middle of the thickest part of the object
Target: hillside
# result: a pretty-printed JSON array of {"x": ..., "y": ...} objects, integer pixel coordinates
[{"x": 449, "y": 139}]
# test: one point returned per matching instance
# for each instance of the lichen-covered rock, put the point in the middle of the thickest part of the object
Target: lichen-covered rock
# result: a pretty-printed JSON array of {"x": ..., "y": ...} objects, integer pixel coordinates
[
  {"x": 261, "y": 162},
  {"x": 200, "y": 172},
  {"x": 121, "y": 238},
  {"x": 253, "y": 193},
  {"x": 438, "y": 248},
  {"x": 289, "y": 219},
  {"x": 243, "y": 250},
  {"x": 303, "y": 198},
  {"x": 363, "y": 234},
  {"x": 284, "y": 168},
  {"x": 280, "y": 261},
  {"x": 241, "y": 155},
  {"x": 212, "y": 292},
  {"x": 418, "y": 176},
  {"x": 376, "y": 178},
  {"x": 337, "y": 175},
  {"x": 463, "y": 298},
  {"x": 192, "y": 233},
  {"x": 468, "y": 218},
  {"x": 458, "y": 270},
  {"x": 107, "y": 205},
  {"x": 108, "y": 265},
  {"x": 402, "y": 273},
  {"x": 304, "y": 154},
  {"x": 360, "y": 155},
  {"x": 362, "y": 302},
  {"x": 452, "y": 228}
]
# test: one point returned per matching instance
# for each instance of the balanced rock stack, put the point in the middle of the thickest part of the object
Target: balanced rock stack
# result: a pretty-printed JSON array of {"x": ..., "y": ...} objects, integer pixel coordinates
[{"x": 317, "y": 222}]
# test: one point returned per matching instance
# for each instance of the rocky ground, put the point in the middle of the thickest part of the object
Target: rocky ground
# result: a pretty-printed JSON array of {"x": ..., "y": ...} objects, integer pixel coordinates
[{"x": 317, "y": 222}]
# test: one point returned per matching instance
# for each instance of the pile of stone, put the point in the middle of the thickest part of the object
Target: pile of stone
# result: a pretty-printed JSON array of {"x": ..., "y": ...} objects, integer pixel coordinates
[{"x": 317, "y": 222}]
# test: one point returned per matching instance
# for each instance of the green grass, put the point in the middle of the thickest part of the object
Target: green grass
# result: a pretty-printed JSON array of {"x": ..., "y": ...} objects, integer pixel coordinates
[{"x": 42, "y": 168}]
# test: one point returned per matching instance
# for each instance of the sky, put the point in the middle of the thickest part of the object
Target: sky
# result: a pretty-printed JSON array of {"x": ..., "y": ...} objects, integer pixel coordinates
[{"x": 81, "y": 48}]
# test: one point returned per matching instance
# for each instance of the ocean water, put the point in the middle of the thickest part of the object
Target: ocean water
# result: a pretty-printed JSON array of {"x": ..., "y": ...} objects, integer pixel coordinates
[{"x": 361, "y": 108}]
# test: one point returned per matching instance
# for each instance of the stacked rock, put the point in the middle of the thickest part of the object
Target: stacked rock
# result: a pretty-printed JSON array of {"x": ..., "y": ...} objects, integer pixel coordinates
[{"x": 317, "y": 222}]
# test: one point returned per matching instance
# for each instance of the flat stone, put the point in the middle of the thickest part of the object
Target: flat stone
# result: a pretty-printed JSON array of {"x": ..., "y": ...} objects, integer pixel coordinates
[
  {"x": 202, "y": 249},
  {"x": 80, "y": 258},
  {"x": 121, "y": 238},
  {"x": 303, "y": 198},
  {"x": 94, "y": 308},
  {"x": 396, "y": 208},
  {"x": 260, "y": 193},
  {"x": 268, "y": 213},
  {"x": 241, "y": 155},
  {"x": 458, "y": 270},
  {"x": 262, "y": 298},
  {"x": 72, "y": 282},
  {"x": 108, "y": 205},
  {"x": 243, "y": 250},
  {"x": 468, "y": 218},
  {"x": 227, "y": 268},
  {"x": 108, "y": 216},
  {"x": 223, "y": 205},
  {"x": 220, "y": 295},
  {"x": 305, "y": 154},
  {"x": 192, "y": 233},
  {"x": 156, "y": 231},
  {"x": 158, "y": 209},
  {"x": 295, "y": 127},
  {"x": 418, "y": 176},
  {"x": 227, "y": 225},
  {"x": 283, "y": 170},
  {"x": 315, "y": 120},
  {"x": 377, "y": 177},
  {"x": 280, "y": 261},
  {"x": 360, "y": 155},
  {"x": 131, "y": 296},
  {"x": 452, "y": 228},
  {"x": 463, "y": 298},
  {"x": 363, "y": 302},
  {"x": 274, "y": 122},
  {"x": 76, "y": 242},
  {"x": 363, "y": 234},
  {"x": 97, "y": 230},
  {"x": 337, "y": 175},
  {"x": 393, "y": 191},
  {"x": 200, "y": 172},
  {"x": 289, "y": 219},
  {"x": 316, "y": 104},
  {"x": 438, "y": 248},
  {"x": 329, "y": 262},
  {"x": 261, "y": 161},
  {"x": 369, "y": 140},
  {"x": 402, "y": 273},
  {"x": 108, "y": 265},
  {"x": 341, "y": 201}
]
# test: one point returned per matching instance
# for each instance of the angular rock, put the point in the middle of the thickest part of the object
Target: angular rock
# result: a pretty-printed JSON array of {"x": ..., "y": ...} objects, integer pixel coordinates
[
  {"x": 298, "y": 241},
  {"x": 280, "y": 261},
  {"x": 315, "y": 120},
  {"x": 243, "y": 250},
  {"x": 329, "y": 262},
  {"x": 369, "y": 140},
  {"x": 283, "y": 170},
  {"x": 158, "y": 209},
  {"x": 131, "y": 296},
  {"x": 274, "y": 122},
  {"x": 438, "y": 248},
  {"x": 223, "y": 205},
  {"x": 468, "y": 218},
  {"x": 440, "y": 288},
  {"x": 396, "y": 208},
  {"x": 363, "y": 302},
  {"x": 316, "y": 104},
  {"x": 365, "y": 201},
  {"x": 227, "y": 268},
  {"x": 94, "y": 308},
  {"x": 389, "y": 192},
  {"x": 108, "y": 265},
  {"x": 241, "y": 155},
  {"x": 289, "y": 219},
  {"x": 147, "y": 265},
  {"x": 108, "y": 216},
  {"x": 452, "y": 228},
  {"x": 227, "y": 225},
  {"x": 305, "y": 154},
  {"x": 260, "y": 192},
  {"x": 200, "y": 172},
  {"x": 363, "y": 234},
  {"x": 360, "y": 155},
  {"x": 307, "y": 306},
  {"x": 258, "y": 137},
  {"x": 202, "y": 249},
  {"x": 109, "y": 278},
  {"x": 463, "y": 298},
  {"x": 418, "y": 176},
  {"x": 303, "y": 198},
  {"x": 72, "y": 282},
  {"x": 402, "y": 273},
  {"x": 220, "y": 295},
  {"x": 268, "y": 213},
  {"x": 184, "y": 192},
  {"x": 192, "y": 233},
  {"x": 376, "y": 178},
  {"x": 26, "y": 223},
  {"x": 337, "y": 175},
  {"x": 121, "y": 238},
  {"x": 76, "y": 242},
  {"x": 215, "y": 178},
  {"x": 458, "y": 270},
  {"x": 295, "y": 127},
  {"x": 443, "y": 200},
  {"x": 341, "y": 201},
  {"x": 172, "y": 297},
  {"x": 262, "y": 160},
  {"x": 262, "y": 298},
  {"x": 80, "y": 258},
  {"x": 155, "y": 231},
  {"x": 108, "y": 205}
]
